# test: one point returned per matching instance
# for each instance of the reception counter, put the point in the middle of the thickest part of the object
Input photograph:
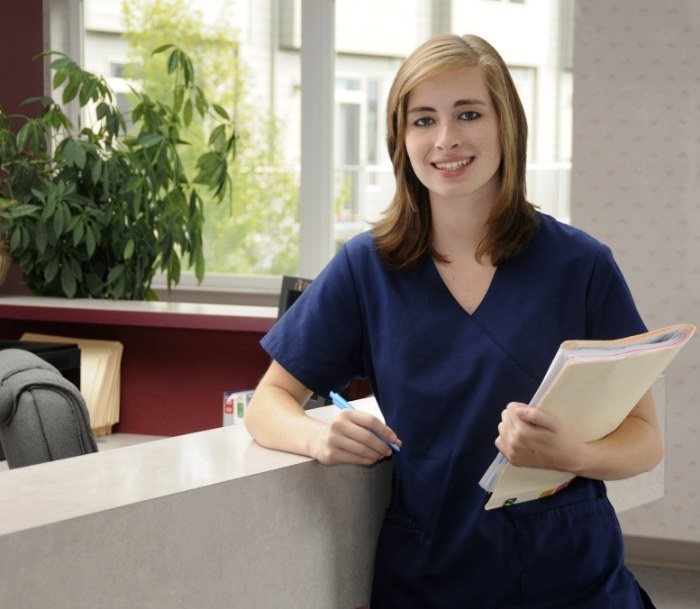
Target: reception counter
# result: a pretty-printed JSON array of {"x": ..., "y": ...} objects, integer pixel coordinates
[{"x": 209, "y": 519}]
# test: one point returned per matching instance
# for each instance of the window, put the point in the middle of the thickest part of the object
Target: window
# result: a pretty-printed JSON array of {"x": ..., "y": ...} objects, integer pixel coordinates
[
  {"x": 274, "y": 226},
  {"x": 242, "y": 64},
  {"x": 539, "y": 64}
]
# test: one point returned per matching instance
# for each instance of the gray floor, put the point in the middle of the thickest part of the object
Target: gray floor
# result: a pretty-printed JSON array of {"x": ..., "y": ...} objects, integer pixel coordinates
[{"x": 669, "y": 588}]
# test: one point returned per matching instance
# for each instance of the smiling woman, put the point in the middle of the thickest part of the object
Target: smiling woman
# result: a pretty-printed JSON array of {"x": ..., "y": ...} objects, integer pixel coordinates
[
  {"x": 453, "y": 308},
  {"x": 468, "y": 110}
]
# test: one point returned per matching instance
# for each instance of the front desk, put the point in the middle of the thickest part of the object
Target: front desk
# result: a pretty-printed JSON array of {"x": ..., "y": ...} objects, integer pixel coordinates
[{"x": 209, "y": 519}]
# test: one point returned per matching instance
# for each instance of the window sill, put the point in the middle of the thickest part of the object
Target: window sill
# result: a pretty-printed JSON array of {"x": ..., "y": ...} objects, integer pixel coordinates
[{"x": 199, "y": 316}]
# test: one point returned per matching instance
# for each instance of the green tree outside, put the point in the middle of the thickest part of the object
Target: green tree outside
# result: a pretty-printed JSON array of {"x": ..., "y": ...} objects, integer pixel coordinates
[{"x": 256, "y": 232}]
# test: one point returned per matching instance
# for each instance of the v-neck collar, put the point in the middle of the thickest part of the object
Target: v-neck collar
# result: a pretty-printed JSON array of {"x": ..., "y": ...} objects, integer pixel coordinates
[{"x": 435, "y": 274}]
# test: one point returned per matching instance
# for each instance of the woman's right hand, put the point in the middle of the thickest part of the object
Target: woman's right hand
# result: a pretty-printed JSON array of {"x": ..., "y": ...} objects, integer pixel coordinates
[{"x": 349, "y": 439}]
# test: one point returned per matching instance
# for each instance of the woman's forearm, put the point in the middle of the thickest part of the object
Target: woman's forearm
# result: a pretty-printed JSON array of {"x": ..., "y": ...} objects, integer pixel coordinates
[
  {"x": 276, "y": 418},
  {"x": 633, "y": 448},
  {"x": 532, "y": 438}
]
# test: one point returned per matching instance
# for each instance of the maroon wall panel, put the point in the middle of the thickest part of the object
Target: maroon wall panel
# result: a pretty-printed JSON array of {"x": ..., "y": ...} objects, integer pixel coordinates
[
  {"x": 21, "y": 39},
  {"x": 172, "y": 379}
]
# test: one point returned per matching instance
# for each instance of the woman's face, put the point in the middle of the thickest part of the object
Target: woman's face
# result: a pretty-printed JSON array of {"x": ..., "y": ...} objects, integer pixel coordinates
[{"x": 452, "y": 136}]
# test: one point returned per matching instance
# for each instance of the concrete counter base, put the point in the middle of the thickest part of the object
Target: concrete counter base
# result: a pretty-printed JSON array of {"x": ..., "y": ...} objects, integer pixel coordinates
[{"x": 301, "y": 536}]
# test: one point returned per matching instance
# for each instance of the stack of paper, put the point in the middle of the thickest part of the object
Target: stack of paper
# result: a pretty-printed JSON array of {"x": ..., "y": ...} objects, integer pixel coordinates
[
  {"x": 592, "y": 385},
  {"x": 100, "y": 369}
]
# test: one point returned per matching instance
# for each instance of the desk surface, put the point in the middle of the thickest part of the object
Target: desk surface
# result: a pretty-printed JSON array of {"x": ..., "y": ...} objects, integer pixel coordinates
[
  {"x": 59, "y": 490},
  {"x": 186, "y": 522},
  {"x": 69, "y": 488}
]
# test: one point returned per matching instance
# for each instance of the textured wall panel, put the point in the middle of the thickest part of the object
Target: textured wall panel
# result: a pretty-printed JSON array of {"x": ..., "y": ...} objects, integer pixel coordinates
[{"x": 636, "y": 186}]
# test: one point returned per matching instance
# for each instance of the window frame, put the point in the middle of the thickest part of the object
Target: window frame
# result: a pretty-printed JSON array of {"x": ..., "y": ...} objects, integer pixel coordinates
[
  {"x": 65, "y": 19},
  {"x": 317, "y": 171}
]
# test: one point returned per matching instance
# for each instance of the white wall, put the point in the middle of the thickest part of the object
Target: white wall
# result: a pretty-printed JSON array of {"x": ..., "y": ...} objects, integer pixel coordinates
[{"x": 636, "y": 186}]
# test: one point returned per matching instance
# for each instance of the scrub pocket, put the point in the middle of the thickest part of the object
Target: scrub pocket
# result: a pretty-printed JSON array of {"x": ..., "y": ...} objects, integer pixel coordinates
[
  {"x": 572, "y": 556},
  {"x": 418, "y": 488}
]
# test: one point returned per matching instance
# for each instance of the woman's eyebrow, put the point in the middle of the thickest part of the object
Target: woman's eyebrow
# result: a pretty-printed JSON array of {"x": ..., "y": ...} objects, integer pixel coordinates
[
  {"x": 471, "y": 101},
  {"x": 459, "y": 103}
]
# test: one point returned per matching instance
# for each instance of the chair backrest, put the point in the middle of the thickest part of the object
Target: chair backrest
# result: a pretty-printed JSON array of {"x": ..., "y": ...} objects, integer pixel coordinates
[
  {"x": 43, "y": 417},
  {"x": 292, "y": 288}
]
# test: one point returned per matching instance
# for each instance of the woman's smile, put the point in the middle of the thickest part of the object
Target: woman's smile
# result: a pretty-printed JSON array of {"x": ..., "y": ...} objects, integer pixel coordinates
[{"x": 453, "y": 167}]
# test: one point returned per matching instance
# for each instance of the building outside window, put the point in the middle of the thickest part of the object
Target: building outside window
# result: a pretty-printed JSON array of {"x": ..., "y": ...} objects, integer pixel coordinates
[{"x": 249, "y": 55}]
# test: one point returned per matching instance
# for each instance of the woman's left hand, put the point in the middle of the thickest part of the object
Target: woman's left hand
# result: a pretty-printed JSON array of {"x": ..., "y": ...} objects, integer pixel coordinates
[{"x": 533, "y": 438}]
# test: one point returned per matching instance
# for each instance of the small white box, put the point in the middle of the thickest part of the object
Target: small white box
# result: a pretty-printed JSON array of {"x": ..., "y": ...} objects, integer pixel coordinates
[{"x": 235, "y": 405}]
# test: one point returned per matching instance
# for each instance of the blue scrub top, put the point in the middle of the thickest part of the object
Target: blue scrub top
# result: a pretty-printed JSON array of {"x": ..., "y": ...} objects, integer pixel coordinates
[{"x": 442, "y": 377}]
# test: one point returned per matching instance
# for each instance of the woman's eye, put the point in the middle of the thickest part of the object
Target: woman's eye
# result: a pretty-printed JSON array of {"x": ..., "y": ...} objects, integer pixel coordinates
[
  {"x": 470, "y": 115},
  {"x": 423, "y": 122}
]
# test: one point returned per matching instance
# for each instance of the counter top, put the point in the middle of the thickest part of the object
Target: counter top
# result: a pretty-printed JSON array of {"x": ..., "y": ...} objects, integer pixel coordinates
[
  {"x": 59, "y": 490},
  {"x": 209, "y": 519}
]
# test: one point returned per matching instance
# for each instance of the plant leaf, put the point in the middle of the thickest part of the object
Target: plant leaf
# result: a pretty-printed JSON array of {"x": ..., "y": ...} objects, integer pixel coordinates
[
  {"x": 160, "y": 49},
  {"x": 59, "y": 77},
  {"x": 90, "y": 243},
  {"x": 60, "y": 63},
  {"x": 199, "y": 266},
  {"x": 187, "y": 113},
  {"x": 51, "y": 269},
  {"x": 173, "y": 61},
  {"x": 102, "y": 110},
  {"x": 15, "y": 240},
  {"x": 67, "y": 280},
  {"x": 115, "y": 273},
  {"x": 71, "y": 90},
  {"x": 220, "y": 111},
  {"x": 96, "y": 171},
  {"x": 58, "y": 221},
  {"x": 129, "y": 249},
  {"x": 40, "y": 237},
  {"x": 78, "y": 232},
  {"x": 150, "y": 140},
  {"x": 94, "y": 285},
  {"x": 74, "y": 154}
]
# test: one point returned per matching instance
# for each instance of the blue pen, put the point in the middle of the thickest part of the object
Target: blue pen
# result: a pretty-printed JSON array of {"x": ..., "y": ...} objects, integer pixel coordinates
[{"x": 342, "y": 404}]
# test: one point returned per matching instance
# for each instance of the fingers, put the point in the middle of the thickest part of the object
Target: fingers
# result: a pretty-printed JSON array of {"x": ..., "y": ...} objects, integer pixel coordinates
[
  {"x": 531, "y": 437},
  {"x": 349, "y": 439},
  {"x": 515, "y": 414},
  {"x": 514, "y": 432},
  {"x": 537, "y": 417},
  {"x": 379, "y": 433}
]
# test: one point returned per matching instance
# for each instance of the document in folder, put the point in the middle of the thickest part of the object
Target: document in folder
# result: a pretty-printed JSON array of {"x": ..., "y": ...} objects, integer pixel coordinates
[
  {"x": 592, "y": 385},
  {"x": 100, "y": 369}
]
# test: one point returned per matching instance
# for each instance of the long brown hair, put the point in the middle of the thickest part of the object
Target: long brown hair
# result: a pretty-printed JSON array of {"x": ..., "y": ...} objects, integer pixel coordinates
[{"x": 403, "y": 235}]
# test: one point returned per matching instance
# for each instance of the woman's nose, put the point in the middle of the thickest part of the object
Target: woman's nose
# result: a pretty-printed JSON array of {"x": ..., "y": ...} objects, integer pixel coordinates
[{"x": 447, "y": 137}]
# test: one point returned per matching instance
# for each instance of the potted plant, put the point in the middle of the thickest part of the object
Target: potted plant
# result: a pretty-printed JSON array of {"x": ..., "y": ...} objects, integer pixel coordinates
[{"x": 98, "y": 212}]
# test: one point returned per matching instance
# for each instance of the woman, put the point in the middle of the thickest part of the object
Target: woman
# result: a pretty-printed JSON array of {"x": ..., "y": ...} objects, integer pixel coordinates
[{"x": 453, "y": 307}]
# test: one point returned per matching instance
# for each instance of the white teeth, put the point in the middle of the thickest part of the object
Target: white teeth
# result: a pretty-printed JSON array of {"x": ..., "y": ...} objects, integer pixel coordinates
[{"x": 452, "y": 166}]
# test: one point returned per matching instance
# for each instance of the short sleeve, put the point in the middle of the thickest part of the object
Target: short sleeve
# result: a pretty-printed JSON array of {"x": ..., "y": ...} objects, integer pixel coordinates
[
  {"x": 319, "y": 339},
  {"x": 610, "y": 309}
]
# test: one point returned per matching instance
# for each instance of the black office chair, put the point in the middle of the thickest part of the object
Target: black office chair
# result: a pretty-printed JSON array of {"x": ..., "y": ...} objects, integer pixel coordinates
[
  {"x": 43, "y": 416},
  {"x": 292, "y": 288}
]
